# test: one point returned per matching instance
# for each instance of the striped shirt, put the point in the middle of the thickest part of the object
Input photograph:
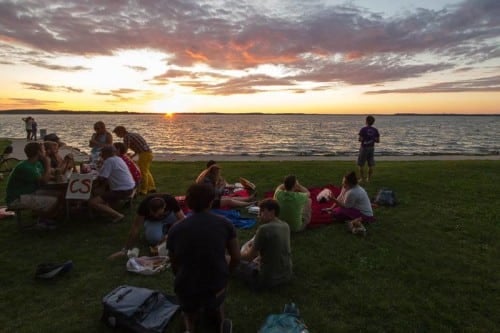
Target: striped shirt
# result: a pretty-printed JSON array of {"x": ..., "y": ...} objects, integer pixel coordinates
[{"x": 136, "y": 143}]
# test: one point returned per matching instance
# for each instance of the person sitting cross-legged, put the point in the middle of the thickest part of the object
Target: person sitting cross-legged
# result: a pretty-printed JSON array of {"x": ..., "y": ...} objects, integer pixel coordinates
[
  {"x": 115, "y": 177},
  {"x": 266, "y": 258},
  {"x": 353, "y": 201},
  {"x": 295, "y": 203}
]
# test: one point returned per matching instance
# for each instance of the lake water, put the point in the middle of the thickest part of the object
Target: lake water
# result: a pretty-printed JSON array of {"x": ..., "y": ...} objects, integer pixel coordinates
[{"x": 279, "y": 135}]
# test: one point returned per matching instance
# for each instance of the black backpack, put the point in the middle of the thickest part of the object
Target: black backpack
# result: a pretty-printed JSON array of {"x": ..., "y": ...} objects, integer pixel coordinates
[
  {"x": 386, "y": 197},
  {"x": 137, "y": 309}
]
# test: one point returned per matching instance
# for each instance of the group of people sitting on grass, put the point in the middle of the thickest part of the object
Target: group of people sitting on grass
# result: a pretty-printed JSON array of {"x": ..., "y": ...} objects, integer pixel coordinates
[{"x": 203, "y": 246}]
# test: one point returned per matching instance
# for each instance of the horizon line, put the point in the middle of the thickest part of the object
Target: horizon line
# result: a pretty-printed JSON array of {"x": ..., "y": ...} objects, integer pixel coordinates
[{"x": 48, "y": 111}]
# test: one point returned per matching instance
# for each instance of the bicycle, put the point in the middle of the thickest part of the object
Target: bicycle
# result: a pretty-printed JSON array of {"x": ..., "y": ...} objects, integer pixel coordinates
[{"x": 7, "y": 164}]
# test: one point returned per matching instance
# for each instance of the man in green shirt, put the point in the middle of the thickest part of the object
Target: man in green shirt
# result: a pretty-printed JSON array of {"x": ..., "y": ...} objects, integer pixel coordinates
[
  {"x": 295, "y": 203},
  {"x": 23, "y": 186},
  {"x": 266, "y": 258}
]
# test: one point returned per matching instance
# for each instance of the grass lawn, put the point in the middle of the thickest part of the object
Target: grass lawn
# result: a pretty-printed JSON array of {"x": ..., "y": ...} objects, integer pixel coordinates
[{"x": 427, "y": 265}]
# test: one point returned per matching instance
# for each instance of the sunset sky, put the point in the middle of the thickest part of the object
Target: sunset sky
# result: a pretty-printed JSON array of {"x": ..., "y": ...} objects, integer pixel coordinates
[{"x": 310, "y": 56}]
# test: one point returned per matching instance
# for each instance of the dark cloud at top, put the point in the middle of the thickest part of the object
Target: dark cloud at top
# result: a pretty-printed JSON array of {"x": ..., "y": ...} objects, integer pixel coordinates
[{"x": 326, "y": 44}]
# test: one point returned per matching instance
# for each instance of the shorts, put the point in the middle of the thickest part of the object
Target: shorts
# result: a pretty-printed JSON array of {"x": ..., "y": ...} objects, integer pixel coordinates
[
  {"x": 207, "y": 301},
  {"x": 113, "y": 196},
  {"x": 36, "y": 202},
  {"x": 366, "y": 154}
]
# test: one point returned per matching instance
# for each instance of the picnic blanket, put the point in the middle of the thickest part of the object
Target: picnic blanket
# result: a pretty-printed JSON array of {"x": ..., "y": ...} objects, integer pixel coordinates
[
  {"x": 318, "y": 217},
  {"x": 232, "y": 215}
]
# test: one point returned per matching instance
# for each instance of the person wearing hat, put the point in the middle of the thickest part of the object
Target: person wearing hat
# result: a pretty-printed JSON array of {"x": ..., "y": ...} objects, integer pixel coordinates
[
  {"x": 139, "y": 146},
  {"x": 114, "y": 172}
]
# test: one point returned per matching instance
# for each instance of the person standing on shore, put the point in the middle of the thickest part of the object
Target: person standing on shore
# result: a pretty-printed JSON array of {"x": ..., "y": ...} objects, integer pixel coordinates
[
  {"x": 28, "y": 125},
  {"x": 34, "y": 129},
  {"x": 368, "y": 136},
  {"x": 139, "y": 146}
]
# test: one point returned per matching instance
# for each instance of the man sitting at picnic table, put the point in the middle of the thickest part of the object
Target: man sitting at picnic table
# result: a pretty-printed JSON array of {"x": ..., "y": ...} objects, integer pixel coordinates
[
  {"x": 115, "y": 176},
  {"x": 23, "y": 186}
]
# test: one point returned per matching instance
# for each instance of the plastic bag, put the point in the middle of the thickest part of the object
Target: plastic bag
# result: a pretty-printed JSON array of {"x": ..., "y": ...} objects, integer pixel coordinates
[{"x": 147, "y": 265}]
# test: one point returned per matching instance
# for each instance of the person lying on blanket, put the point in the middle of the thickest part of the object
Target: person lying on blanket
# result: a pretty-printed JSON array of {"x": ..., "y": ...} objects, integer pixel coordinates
[
  {"x": 295, "y": 203},
  {"x": 211, "y": 176},
  {"x": 353, "y": 201},
  {"x": 266, "y": 258}
]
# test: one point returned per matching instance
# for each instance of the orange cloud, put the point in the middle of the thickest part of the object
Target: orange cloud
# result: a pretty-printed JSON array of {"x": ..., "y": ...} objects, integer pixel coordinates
[
  {"x": 197, "y": 56},
  {"x": 353, "y": 55}
]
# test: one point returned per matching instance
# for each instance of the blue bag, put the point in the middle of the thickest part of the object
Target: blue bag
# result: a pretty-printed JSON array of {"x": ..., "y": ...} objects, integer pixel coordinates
[{"x": 287, "y": 322}]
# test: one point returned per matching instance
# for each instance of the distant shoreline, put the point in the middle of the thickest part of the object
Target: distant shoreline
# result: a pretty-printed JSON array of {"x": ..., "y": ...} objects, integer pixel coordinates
[{"x": 70, "y": 112}]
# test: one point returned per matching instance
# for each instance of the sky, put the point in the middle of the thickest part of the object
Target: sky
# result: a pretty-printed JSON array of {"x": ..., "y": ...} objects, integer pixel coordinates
[{"x": 271, "y": 56}]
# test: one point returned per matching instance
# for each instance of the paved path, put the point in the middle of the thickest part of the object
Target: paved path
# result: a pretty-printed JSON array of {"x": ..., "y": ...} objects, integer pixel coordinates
[{"x": 18, "y": 146}]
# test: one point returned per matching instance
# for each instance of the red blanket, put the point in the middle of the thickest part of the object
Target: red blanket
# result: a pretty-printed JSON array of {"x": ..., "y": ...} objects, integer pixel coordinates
[{"x": 318, "y": 217}]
